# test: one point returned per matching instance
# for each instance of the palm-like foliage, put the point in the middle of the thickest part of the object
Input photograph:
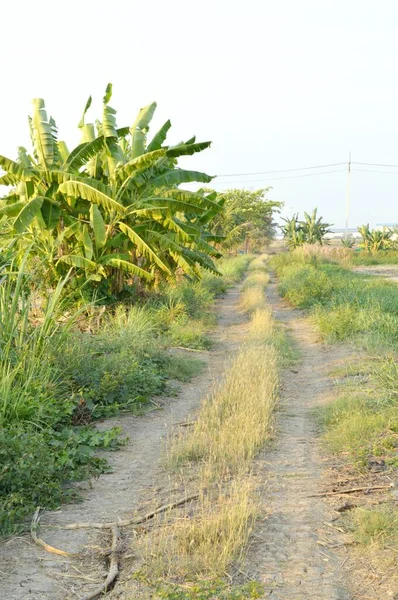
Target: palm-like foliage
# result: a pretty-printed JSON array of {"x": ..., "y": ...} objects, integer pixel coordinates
[
  {"x": 374, "y": 240},
  {"x": 311, "y": 230},
  {"x": 113, "y": 204}
]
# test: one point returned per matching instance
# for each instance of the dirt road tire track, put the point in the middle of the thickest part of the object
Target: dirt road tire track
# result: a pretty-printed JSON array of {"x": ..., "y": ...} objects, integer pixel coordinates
[{"x": 291, "y": 550}]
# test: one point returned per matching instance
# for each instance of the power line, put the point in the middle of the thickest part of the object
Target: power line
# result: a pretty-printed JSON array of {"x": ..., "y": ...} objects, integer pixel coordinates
[
  {"x": 374, "y": 171},
  {"x": 374, "y": 165},
  {"x": 283, "y": 170},
  {"x": 276, "y": 178}
]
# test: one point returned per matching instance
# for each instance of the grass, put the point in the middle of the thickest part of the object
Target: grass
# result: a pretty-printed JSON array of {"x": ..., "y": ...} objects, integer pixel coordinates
[
  {"x": 201, "y": 545},
  {"x": 55, "y": 380},
  {"x": 344, "y": 305},
  {"x": 362, "y": 422},
  {"x": 234, "y": 421},
  {"x": 385, "y": 257},
  {"x": 216, "y": 455},
  {"x": 377, "y": 527}
]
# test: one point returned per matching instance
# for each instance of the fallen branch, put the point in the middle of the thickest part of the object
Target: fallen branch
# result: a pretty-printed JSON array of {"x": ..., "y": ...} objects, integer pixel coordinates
[
  {"x": 353, "y": 490},
  {"x": 188, "y": 349},
  {"x": 34, "y": 526},
  {"x": 113, "y": 569},
  {"x": 135, "y": 520}
]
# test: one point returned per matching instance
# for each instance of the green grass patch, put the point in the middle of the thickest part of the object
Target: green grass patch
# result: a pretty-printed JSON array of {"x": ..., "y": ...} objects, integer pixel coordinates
[
  {"x": 376, "y": 526},
  {"x": 362, "y": 422},
  {"x": 344, "y": 305},
  {"x": 184, "y": 369},
  {"x": 383, "y": 257}
]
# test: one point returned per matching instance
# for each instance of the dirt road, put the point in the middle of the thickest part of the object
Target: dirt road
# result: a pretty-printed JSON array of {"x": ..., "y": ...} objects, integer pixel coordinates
[
  {"x": 388, "y": 271},
  {"x": 291, "y": 552}
]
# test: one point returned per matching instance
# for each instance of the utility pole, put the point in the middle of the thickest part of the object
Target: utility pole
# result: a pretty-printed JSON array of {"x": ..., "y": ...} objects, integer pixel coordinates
[{"x": 347, "y": 202}]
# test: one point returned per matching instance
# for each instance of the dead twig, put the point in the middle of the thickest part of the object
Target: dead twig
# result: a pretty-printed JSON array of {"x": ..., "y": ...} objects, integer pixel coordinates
[
  {"x": 113, "y": 568},
  {"x": 135, "y": 520},
  {"x": 34, "y": 526},
  {"x": 188, "y": 349},
  {"x": 353, "y": 490}
]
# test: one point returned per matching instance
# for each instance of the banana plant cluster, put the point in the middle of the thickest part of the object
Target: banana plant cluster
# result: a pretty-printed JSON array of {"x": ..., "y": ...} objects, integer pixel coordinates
[
  {"x": 112, "y": 207},
  {"x": 311, "y": 230},
  {"x": 374, "y": 240}
]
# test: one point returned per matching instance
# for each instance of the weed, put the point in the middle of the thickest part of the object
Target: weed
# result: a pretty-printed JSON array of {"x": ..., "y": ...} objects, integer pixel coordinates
[{"x": 377, "y": 526}]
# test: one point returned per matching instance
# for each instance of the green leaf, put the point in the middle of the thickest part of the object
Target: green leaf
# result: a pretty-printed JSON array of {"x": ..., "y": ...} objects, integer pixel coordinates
[
  {"x": 144, "y": 117},
  {"x": 51, "y": 213},
  {"x": 42, "y": 132},
  {"x": 9, "y": 179},
  {"x": 200, "y": 199},
  {"x": 93, "y": 192},
  {"x": 108, "y": 93},
  {"x": 172, "y": 204},
  {"x": 141, "y": 163},
  {"x": 88, "y": 104},
  {"x": 27, "y": 214},
  {"x": 63, "y": 151},
  {"x": 142, "y": 246},
  {"x": 14, "y": 168},
  {"x": 187, "y": 149},
  {"x": 98, "y": 225},
  {"x": 138, "y": 142},
  {"x": 82, "y": 153},
  {"x": 87, "y": 243},
  {"x": 11, "y": 210},
  {"x": 177, "y": 176},
  {"x": 159, "y": 137},
  {"x": 76, "y": 260},
  {"x": 113, "y": 260}
]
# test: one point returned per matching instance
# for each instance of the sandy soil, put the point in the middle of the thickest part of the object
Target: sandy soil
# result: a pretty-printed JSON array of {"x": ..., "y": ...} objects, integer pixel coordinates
[
  {"x": 292, "y": 551},
  {"x": 387, "y": 271}
]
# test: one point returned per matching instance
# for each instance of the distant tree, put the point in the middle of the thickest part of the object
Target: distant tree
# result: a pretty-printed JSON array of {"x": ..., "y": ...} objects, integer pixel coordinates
[
  {"x": 247, "y": 219},
  {"x": 311, "y": 230}
]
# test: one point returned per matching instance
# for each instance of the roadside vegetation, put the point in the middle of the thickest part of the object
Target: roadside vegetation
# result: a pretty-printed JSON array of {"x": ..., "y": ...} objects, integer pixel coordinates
[
  {"x": 344, "y": 305},
  {"x": 106, "y": 264},
  {"x": 361, "y": 424},
  {"x": 214, "y": 455},
  {"x": 58, "y": 377}
]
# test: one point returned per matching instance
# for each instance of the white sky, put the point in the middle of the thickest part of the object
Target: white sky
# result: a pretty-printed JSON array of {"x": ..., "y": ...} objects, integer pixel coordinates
[{"x": 275, "y": 84}]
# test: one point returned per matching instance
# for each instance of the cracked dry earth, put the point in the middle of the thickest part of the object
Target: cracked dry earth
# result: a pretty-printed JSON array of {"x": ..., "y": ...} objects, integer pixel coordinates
[{"x": 292, "y": 549}]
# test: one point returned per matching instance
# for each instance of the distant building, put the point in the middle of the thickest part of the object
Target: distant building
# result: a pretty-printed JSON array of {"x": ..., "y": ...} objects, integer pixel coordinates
[
  {"x": 386, "y": 226},
  {"x": 339, "y": 234}
]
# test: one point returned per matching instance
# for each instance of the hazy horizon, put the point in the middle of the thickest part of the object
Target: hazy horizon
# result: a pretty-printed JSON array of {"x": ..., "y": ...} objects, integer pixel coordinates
[{"x": 275, "y": 86}]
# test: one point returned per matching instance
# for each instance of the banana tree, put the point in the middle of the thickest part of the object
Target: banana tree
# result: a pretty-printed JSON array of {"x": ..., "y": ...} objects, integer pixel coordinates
[
  {"x": 311, "y": 230},
  {"x": 113, "y": 204},
  {"x": 374, "y": 240}
]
